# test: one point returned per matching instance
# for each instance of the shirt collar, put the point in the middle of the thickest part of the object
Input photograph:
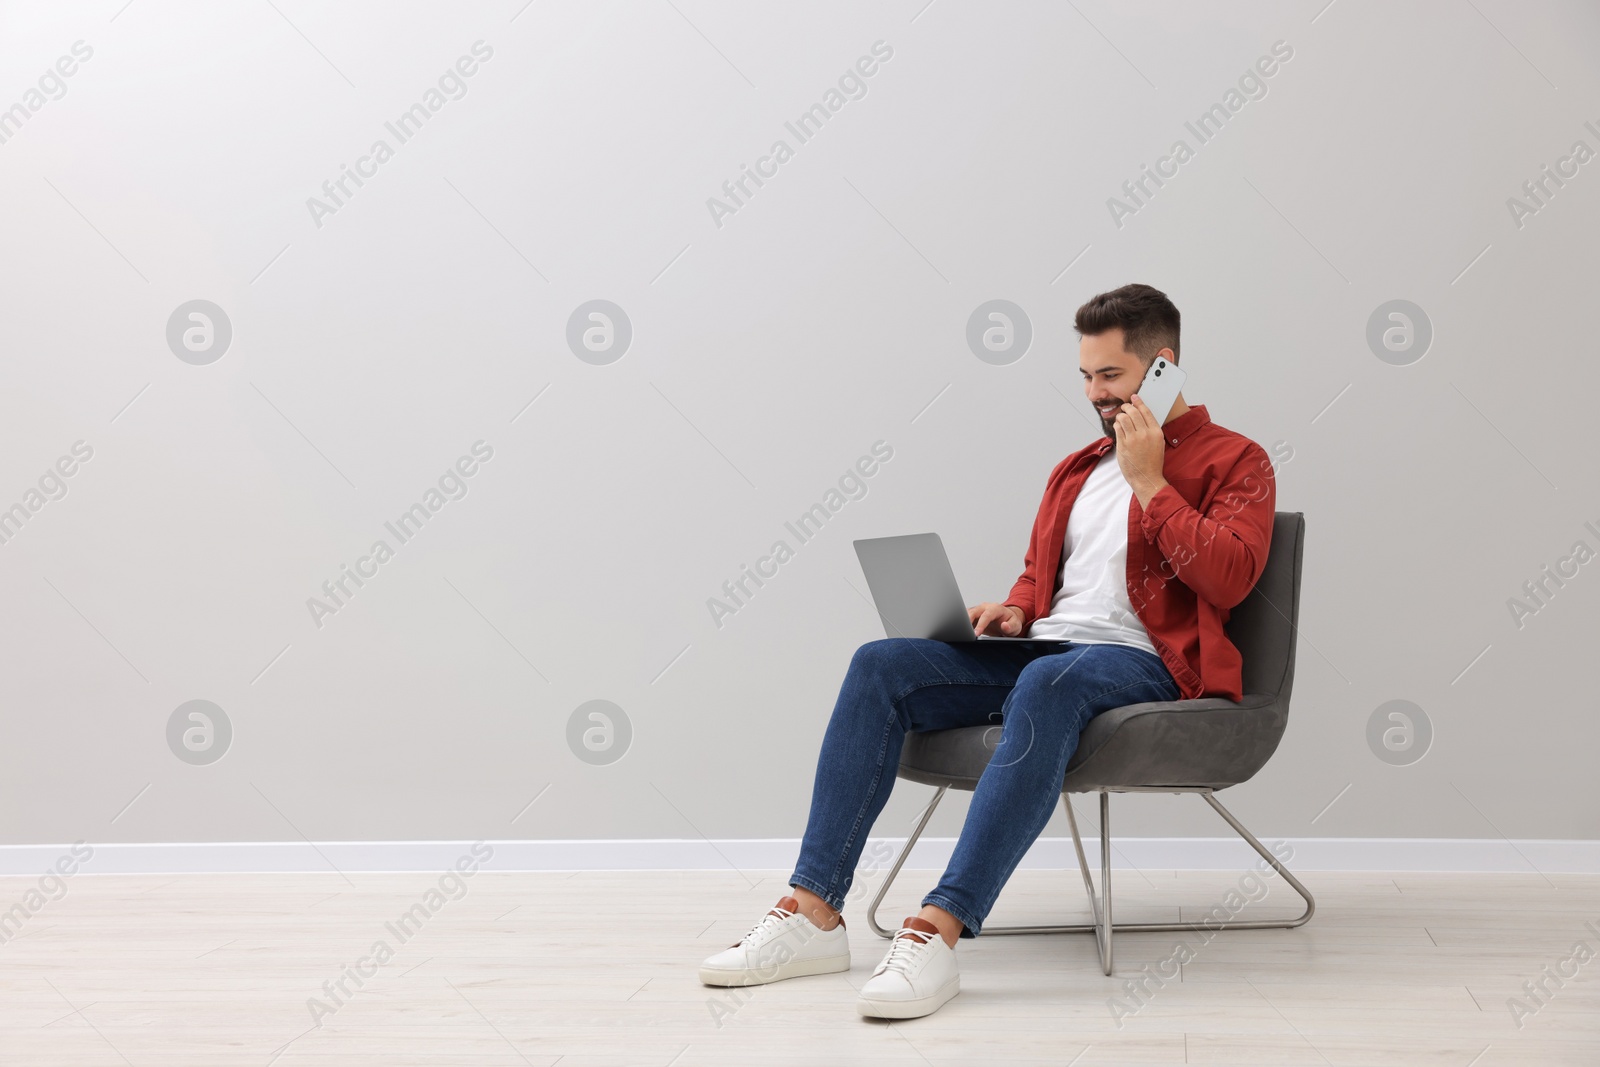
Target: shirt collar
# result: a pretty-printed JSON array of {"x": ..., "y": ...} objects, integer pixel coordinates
[{"x": 1176, "y": 430}]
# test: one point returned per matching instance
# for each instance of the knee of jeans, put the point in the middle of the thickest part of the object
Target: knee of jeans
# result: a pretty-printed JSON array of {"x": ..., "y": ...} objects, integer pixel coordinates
[
  {"x": 877, "y": 667},
  {"x": 875, "y": 660}
]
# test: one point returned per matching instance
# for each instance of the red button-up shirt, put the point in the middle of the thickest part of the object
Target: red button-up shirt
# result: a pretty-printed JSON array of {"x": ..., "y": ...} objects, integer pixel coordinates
[{"x": 1193, "y": 554}]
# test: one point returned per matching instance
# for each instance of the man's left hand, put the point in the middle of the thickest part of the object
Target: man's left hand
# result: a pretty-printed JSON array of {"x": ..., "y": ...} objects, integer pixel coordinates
[{"x": 1141, "y": 449}]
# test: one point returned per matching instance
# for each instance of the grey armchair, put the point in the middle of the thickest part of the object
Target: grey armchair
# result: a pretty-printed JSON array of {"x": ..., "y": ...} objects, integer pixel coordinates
[{"x": 1180, "y": 746}]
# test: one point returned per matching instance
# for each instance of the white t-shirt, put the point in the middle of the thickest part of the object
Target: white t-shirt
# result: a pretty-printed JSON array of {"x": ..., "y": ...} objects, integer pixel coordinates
[{"x": 1091, "y": 604}]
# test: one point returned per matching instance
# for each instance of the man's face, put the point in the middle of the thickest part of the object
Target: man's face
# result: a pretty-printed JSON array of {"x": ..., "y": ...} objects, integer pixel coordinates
[{"x": 1111, "y": 374}]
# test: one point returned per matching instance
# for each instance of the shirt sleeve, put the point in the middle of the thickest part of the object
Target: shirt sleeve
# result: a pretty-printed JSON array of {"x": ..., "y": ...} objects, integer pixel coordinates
[
  {"x": 1219, "y": 554},
  {"x": 1023, "y": 592}
]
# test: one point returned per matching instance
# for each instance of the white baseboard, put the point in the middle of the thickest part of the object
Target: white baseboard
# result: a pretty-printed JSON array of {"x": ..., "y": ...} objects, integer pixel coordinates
[{"x": 1386, "y": 855}]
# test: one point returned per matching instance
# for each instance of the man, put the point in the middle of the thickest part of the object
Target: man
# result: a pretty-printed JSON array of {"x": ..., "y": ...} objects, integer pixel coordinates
[{"x": 1143, "y": 543}]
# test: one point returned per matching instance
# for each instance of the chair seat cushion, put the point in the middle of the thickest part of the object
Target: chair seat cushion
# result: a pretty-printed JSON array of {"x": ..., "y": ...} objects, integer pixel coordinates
[{"x": 1206, "y": 743}]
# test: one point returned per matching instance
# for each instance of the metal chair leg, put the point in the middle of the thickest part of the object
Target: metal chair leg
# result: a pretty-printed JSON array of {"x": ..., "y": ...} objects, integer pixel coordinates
[
  {"x": 1100, "y": 904},
  {"x": 1083, "y": 865},
  {"x": 883, "y": 891},
  {"x": 1250, "y": 839},
  {"x": 1105, "y": 880},
  {"x": 1101, "y": 913}
]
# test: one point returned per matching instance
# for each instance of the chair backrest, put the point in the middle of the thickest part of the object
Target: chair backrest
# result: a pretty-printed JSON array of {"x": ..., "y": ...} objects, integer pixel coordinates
[{"x": 1262, "y": 626}]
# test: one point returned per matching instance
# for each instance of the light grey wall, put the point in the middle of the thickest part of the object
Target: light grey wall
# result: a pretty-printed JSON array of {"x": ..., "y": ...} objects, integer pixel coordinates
[{"x": 373, "y": 346}]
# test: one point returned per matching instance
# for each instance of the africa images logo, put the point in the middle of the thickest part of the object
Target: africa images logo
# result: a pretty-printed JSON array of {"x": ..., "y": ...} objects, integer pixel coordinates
[{"x": 451, "y": 85}]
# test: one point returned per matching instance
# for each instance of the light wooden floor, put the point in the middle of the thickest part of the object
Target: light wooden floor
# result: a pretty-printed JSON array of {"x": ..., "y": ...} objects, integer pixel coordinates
[{"x": 599, "y": 969}]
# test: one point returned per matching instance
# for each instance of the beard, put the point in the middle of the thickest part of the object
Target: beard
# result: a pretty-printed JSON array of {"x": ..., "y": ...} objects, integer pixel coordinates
[{"x": 1109, "y": 425}]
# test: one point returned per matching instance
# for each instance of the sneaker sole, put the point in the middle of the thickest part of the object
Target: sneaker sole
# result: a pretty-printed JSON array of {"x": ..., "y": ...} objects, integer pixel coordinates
[
  {"x": 792, "y": 969},
  {"x": 909, "y": 1009}
]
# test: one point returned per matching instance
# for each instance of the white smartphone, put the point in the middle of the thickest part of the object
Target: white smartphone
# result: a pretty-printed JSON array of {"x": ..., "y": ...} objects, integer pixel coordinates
[{"x": 1160, "y": 388}]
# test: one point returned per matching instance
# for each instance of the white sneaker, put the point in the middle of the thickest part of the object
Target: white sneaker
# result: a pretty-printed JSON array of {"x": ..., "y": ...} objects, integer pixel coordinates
[
  {"x": 916, "y": 977},
  {"x": 784, "y": 944}
]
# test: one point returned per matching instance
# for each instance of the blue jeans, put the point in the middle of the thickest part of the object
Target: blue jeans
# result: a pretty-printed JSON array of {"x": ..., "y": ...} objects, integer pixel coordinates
[{"x": 1041, "y": 695}]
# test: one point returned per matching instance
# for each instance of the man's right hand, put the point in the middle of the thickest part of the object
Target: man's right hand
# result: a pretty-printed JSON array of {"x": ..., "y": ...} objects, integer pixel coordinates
[{"x": 1007, "y": 616}]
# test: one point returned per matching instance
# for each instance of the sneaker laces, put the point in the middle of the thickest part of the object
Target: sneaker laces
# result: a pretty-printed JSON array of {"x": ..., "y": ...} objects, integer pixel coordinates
[
  {"x": 904, "y": 951},
  {"x": 766, "y": 928}
]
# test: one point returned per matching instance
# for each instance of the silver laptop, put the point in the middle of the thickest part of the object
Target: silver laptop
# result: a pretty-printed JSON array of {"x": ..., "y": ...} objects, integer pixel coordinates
[{"x": 915, "y": 590}]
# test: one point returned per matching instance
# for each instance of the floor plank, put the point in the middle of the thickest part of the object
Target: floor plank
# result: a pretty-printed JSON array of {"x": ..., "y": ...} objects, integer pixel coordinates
[{"x": 599, "y": 968}]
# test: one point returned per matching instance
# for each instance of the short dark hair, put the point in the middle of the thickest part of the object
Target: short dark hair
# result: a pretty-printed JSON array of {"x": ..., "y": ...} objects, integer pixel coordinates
[{"x": 1149, "y": 321}]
